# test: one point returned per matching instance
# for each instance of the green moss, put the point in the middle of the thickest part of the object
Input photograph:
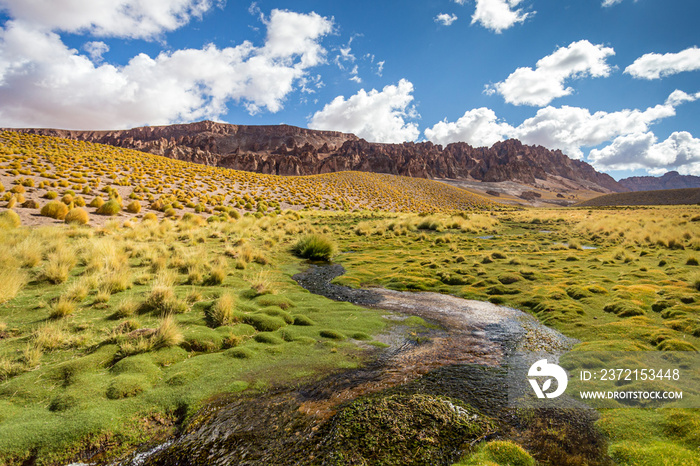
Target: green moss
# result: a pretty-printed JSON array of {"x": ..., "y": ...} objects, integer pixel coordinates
[
  {"x": 264, "y": 322},
  {"x": 332, "y": 334},
  {"x": 268, "y": 338},
  {"x": 432, "y": 429}
]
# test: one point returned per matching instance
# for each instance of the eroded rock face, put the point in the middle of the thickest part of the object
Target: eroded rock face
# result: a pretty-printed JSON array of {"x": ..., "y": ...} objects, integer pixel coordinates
[{"x": 289, "y": 150}]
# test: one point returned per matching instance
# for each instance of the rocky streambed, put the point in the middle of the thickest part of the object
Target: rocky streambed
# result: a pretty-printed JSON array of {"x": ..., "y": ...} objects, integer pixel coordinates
[{"x": 422, "y": 400}]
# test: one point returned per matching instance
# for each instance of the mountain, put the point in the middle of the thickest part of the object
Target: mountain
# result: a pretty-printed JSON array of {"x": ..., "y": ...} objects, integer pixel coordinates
[
  {"x": 685, "y": 196},
  {"x": 670, "y": 180},
  {"x": 289, "y": 150}
]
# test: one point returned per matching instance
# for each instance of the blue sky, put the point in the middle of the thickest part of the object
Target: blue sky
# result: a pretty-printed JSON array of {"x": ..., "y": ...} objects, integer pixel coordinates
[{"x": 612, "y": 82}]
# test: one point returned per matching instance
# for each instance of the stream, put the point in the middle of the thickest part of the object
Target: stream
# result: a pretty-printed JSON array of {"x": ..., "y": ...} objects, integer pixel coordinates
[{"x": 460, "y": 354}]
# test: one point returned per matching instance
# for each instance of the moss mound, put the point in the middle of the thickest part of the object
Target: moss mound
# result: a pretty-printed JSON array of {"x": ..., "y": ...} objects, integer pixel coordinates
[{"x": 432, "y": 429}]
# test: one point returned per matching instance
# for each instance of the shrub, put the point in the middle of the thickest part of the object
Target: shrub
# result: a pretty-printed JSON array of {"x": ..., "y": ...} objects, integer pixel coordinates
[
  {"x": 55, "y": 209},
  {"x": 62, "y": 308},
  {"x": 11, "y": 283},
  {"x": 110, "y": 207},
  {"x": 167, "y": 334},
  {"x": 134, "y": 207},
  {"x": 149, "y": 216},
  {"x": 314, "y": 247},
  {"x": 97, "y": 202},
  {"x": 67, "y": 199},
  {"x": 78, "y": 216},
  {"x": 9, "y": 219},
  {"x": 222, "y": 311}
]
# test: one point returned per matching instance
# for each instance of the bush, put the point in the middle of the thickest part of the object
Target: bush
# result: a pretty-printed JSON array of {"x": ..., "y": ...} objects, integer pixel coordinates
[
  {"x": 9, "y": 219},
  {"x": 222, "y": 311},
  {"x": 314, "y": 247},
  {"x": 55, "y": 209},
  {"x": 134, "y": 207},
  {"x": 110, "y": 207},
  {"x": 167, "y": 334},
  {"x": 97, "y": 202},
  {"x": 77, "y": 216}
]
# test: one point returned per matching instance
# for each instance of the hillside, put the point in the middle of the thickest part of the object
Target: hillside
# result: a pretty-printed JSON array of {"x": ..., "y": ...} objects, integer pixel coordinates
[
  {"x": 288, "y": 150},
  {"x": 36, "y": 169},
  {"x": 659, "y": 197},
  {"x": 670, "y": 180}
]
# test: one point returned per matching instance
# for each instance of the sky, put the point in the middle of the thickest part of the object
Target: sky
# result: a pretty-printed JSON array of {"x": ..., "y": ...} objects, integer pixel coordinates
[{"x": 615, "y": 83}]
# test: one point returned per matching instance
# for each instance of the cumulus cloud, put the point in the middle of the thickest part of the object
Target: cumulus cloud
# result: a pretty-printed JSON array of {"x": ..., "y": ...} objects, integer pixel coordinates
[
  {"x": 656, "y": 65},
  {"x": 136, "y": 19},
  {"x": 45, "y": 83},
  {"x": 545, "y": 83},
  {"x": 478, "y": 127},
  {"x": 96, "y": 49},
  {"x": 680, "y": 151},
  {"x": 570, "y": 129},
  {"x": 377, "y": 116},
  {"x": 498, "y": 15},
  {"x": 445, "y": 19}
]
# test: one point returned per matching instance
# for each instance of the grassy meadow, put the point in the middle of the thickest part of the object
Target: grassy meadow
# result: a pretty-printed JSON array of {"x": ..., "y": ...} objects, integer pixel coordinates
[{"x": 117, "y": 324}]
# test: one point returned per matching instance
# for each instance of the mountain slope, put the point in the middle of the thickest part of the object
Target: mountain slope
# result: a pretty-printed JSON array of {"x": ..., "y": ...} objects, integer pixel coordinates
[
  {"x": 288, "y": 150},
  {"x": 657, "y": 197},
  {"x": 670, "y": 180},
  {"x": 35, "y": 169}
]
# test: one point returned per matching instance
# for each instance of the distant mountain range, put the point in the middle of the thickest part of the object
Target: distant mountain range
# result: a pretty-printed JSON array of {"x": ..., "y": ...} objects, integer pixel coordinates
[
  {"x": 670, "y": 180},
  {"x": 290, "y": 150}
]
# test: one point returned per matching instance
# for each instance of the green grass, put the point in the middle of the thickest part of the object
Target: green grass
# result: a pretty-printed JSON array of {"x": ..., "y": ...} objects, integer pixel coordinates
[{"x": 141, "y": 341}]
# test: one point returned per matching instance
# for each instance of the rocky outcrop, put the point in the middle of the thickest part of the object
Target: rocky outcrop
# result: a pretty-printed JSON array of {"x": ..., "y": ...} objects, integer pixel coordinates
[
  {"x": 289, "y": 150},
  {"x": 670, "y": 180}
]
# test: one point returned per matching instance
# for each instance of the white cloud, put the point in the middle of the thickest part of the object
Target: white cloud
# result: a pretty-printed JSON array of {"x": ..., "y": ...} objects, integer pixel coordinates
[
  {"x": 573, "y": 128},
  {"x": 445, "y": 19},
  {"x": 498, "y": 15},
  {"x": 545, "y": 83},
  {"x": 656, "y": 65},
  {"x": 478, "y": 127},
  {"x": 680, "y": 151},
  {"x": 144, "y": 19},
  {"x": 96, "y": 49},
  {"x": 45, "y": 83},
  {"x": 570, "y": 129},
  {"x": 377, "y": 116},
  {"x": 607, "y": 3}
]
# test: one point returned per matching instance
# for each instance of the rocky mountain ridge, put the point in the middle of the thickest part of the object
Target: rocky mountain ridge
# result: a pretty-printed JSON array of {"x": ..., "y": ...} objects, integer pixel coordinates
[
  {"x": 290, "y": 150},
  {"x": 670, "y": 180}
]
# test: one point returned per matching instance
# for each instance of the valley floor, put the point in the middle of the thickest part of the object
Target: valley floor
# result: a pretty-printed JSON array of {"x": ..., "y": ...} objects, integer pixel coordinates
[{"x": 129, "y": 332}]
